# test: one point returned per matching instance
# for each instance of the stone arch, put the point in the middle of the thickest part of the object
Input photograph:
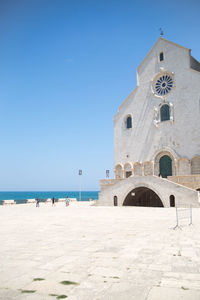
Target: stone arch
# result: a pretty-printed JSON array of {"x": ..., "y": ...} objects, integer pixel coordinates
[
  {"x": 119, "y": 171},
  {"x": 159, "y": 155},
  {"x": 147, "y": 185},
  {"x": 148, "y": 168},
  {"x": 165, "y": 150},
  {"x": 184, "y": 167},
  {"x": 195, "y": 165},
  {"x": 142, "y": 196},
  {"x": 137, "y": 169},
  {"x": 128, "y": 169}
]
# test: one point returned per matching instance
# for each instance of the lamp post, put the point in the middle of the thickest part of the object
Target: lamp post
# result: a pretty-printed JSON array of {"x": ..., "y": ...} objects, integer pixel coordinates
[{"x": 80, "y": 174}]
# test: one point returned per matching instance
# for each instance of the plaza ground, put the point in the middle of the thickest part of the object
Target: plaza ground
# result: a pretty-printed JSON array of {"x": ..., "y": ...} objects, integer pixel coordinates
[{"x": 101, "y": 253}]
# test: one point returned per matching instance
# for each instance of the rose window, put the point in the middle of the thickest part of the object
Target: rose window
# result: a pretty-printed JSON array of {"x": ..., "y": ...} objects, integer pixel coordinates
[{"x": 163, "y": 85}]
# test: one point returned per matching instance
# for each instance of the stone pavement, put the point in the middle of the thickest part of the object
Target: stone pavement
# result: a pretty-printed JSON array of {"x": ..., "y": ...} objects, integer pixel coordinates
[{"x": 101, "y": 253}]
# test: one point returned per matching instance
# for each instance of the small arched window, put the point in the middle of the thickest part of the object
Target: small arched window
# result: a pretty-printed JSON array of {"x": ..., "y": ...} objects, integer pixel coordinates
[
  {"x": 165, "y": 113},
  {"x": 161, "y": 56},
  {"x": 115, "y": 201},
  {"x": 172, "y": 201},
  {"x": 129, "y": 122}
]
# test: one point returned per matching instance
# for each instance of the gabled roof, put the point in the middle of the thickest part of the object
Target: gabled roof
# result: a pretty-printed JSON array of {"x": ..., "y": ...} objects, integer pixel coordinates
[
  {"x": 125, "y": 102},
  {"x": 161, "y": 39}
]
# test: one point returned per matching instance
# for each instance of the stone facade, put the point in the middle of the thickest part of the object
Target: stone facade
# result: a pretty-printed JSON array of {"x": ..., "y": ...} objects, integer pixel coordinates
[{"x": 157, "y": 128}]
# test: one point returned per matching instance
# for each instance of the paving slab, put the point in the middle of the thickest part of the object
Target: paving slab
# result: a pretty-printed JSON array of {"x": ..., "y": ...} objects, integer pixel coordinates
[
  {"x": 158, "y": 293},
  {"x": 110, "y": 253}
]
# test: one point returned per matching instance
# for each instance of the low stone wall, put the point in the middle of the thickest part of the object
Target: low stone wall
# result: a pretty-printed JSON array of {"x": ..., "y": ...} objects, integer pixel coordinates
[
  {"x": 48, "y": 200},
  {"x": 72, "y": 199},
  {"x": 105, "y": 183},
  {"x": 61, "y": 199},
  {"x": 191, "y": 181},
  {"x": 30, "y": 200},
  {"x": 8, "y": 202}
]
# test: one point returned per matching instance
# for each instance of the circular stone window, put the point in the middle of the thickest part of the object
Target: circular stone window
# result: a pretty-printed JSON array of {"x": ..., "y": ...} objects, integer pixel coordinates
[{"x": 163, "y": 85}]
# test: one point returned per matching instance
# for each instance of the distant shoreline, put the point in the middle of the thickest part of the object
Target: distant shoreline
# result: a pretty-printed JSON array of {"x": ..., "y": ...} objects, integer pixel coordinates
[{"x": 21, "y": 196}]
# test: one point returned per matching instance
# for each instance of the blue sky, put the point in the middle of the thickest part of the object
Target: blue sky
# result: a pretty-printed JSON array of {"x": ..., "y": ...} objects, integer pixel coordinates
[{"x": 65, "y": 67}]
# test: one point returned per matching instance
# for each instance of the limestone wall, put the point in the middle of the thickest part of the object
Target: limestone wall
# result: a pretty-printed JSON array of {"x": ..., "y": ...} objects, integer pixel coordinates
[{"x": 181, "y": 133}]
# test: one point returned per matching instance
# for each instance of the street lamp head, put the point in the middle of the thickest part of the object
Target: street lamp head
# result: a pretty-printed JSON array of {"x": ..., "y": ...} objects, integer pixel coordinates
[{"x": 107, "y": 173}]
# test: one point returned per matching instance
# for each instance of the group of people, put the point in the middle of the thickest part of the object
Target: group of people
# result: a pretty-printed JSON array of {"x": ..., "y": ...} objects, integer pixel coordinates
[
  {"x": 66, "y": 201},
  {"x": 53, "y": 200}
]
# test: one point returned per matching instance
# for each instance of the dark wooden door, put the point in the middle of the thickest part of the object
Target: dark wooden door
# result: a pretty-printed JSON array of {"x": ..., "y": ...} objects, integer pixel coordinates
[{"x": 165, "y": 166}]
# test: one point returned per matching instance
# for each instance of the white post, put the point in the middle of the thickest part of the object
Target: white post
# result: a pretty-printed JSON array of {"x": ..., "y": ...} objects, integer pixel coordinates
[
  {"x": 177, "y": 224},
  {"x": 190, "y": 214}
]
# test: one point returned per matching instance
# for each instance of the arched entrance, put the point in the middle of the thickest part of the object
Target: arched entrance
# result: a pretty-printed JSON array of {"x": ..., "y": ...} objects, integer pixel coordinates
[
  {"x": 160, "y": 154},
  {"x": 165, "y": 164},
  {"x": 142, "y": 196}
]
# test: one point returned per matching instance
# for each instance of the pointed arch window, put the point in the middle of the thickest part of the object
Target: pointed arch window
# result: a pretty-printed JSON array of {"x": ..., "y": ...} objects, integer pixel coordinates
[
  {"x": 129, "y": 122},
  {"x": 165, "y": 113}
]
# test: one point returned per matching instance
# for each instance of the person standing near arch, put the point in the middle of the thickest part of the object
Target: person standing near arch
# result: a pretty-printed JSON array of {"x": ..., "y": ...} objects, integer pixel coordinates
[
  {"x": 53, "y": 201},
  {"x": 37, "y": 202},
  {"x": 67, "y": 201}
]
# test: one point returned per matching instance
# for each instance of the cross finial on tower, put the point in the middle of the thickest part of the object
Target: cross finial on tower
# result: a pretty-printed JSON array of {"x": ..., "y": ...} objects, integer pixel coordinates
[{"x": 161, "y": 32}]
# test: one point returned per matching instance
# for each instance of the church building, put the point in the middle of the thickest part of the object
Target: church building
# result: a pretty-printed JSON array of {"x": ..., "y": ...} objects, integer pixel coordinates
[{"x": 157, "y": 133}]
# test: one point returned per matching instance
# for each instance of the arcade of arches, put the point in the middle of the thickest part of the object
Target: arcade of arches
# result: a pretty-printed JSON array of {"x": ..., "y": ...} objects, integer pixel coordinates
[
  {"x": 164, "y": 164},
  {"x": 143, "y": 196}
]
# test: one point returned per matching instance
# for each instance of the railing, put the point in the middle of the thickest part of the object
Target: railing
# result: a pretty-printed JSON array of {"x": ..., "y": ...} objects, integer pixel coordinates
[{"x": 183, "y": 213}]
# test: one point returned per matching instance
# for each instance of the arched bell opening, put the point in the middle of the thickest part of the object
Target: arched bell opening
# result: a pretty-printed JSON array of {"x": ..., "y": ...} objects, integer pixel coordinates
[{"x": 143, "y": 196}]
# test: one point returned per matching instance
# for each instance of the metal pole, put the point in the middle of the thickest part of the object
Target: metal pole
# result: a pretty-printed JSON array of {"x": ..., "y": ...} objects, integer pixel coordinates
[
  {"x": 80, "y": 190},
  {"x": 80, "y": 174}
]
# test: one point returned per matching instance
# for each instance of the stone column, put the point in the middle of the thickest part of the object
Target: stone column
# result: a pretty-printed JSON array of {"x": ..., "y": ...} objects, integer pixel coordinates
[
  {"x": 175, "y": 167},
  {"x": 142, "y": 166}
]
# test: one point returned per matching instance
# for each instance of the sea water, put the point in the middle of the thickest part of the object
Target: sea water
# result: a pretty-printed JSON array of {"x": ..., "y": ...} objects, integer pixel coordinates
[{"x": 20, "y": 197}]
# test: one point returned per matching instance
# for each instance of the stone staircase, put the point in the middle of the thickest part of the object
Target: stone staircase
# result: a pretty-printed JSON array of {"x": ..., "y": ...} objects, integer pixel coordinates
[
  {"x": 163, "y": 187},
  {"x": 191, "y": 181}
]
